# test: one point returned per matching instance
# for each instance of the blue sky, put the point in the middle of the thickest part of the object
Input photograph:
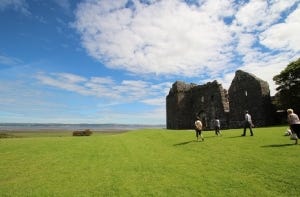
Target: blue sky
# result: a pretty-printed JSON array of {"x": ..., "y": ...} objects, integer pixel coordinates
[{"x": 64, "y": 61}]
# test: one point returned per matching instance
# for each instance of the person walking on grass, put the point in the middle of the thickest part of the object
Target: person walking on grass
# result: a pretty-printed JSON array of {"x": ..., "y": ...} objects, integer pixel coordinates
[
  {"x": 294, "y": 123},
  {"x": 247, "y": 124},
  {"x": 198, "y": 129},
  {"x": 217, "y": 126}
]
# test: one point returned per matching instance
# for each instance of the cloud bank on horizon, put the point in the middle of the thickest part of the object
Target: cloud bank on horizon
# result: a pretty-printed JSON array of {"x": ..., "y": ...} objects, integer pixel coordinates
[{"x": 205, "y": 39}]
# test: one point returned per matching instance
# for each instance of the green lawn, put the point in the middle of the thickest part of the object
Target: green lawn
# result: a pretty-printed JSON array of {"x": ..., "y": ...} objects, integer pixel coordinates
[{"x": 151, "y": 163}]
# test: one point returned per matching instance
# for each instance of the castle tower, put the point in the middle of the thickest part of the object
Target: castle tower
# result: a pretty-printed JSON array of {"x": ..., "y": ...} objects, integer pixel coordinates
[
  {"x": 179, "y": 106},
  {"x": 247, "y": 92}
]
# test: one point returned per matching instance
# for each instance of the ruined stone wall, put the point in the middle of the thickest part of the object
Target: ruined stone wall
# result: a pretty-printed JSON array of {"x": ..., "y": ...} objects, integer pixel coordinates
[
  {"x": 186, "y": 101},
  {"x": 247, "y": 92},
  {"x": 179, "y": 106},
  {"x": 210, "y": 101}
]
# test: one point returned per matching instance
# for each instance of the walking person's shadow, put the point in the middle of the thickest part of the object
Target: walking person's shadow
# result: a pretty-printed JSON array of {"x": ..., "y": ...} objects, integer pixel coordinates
[
  {"x": 277, "y": 145},
  {"x": 184, "y": 143}
]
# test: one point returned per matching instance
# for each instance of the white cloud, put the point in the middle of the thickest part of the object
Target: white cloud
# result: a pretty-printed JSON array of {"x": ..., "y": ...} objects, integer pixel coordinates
[
  {"x": 266, "y": 42},
  {"x": 17, "y": 5},
  {"x": 22, "y": 101},
  {"x": 257, "y": 15},
  {"x": 162, "y": 38},
  {"x": 245, "y": 43},
  {"x": 151, "y": 117},
  {"x": 64, "y": 81},
  {"x": 110, "y": 94},
  {"x": 155, "y": 101},
  {"x": 106, "y": 88},
  {"x": 154, "y": 116},
  {"x": 253, "y": 16},
  {"x": 209, "y": 39},
  {"x": 65, "y": 4},
  {"x": 9, "y": 61},
  {"x": 284, "y": 36}
]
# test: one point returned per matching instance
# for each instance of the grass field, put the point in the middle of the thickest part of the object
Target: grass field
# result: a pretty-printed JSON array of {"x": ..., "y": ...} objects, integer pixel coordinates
[{"x": 150, "y": 163}]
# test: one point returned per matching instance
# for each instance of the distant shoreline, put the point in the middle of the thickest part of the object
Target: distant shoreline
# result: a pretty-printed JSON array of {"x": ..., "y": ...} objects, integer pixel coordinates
[
  {"x": 48, "y": 127},
  {"x": 52, "y": 133}
]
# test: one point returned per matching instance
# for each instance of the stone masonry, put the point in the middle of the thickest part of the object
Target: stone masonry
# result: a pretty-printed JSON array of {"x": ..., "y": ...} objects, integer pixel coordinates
[
  {"x": 187, "y": 101},
  {"x": 247, "y": 92}
]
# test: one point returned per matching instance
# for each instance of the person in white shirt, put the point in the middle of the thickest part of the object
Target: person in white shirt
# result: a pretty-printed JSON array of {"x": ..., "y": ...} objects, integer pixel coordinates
[
  {"x": 294, "y": 123},
  {"x": 217, "y": 126},
  {"x": 247, "y": 124},
  {"x": 198, "y": 129}
]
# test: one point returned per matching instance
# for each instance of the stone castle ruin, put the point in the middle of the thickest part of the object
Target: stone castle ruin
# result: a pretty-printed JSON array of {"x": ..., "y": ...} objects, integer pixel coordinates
[{"x": 247, "y": 92}]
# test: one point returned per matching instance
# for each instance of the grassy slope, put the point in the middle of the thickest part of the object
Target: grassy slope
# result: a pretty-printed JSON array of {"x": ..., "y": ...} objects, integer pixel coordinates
[{"x": 151, "y": 163}]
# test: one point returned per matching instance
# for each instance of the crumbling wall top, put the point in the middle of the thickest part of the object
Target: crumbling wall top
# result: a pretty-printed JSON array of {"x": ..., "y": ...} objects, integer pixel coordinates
[{"x": 180, "y": 86}]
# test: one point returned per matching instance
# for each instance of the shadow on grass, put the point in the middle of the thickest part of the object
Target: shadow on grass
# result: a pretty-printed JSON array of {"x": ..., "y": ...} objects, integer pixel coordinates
[
  {"x": 239, "y": 136},
  {"x": 277, "y": 145},
  {"x": 212, "y": 136},
  {"x": 187, "y": 142}
]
